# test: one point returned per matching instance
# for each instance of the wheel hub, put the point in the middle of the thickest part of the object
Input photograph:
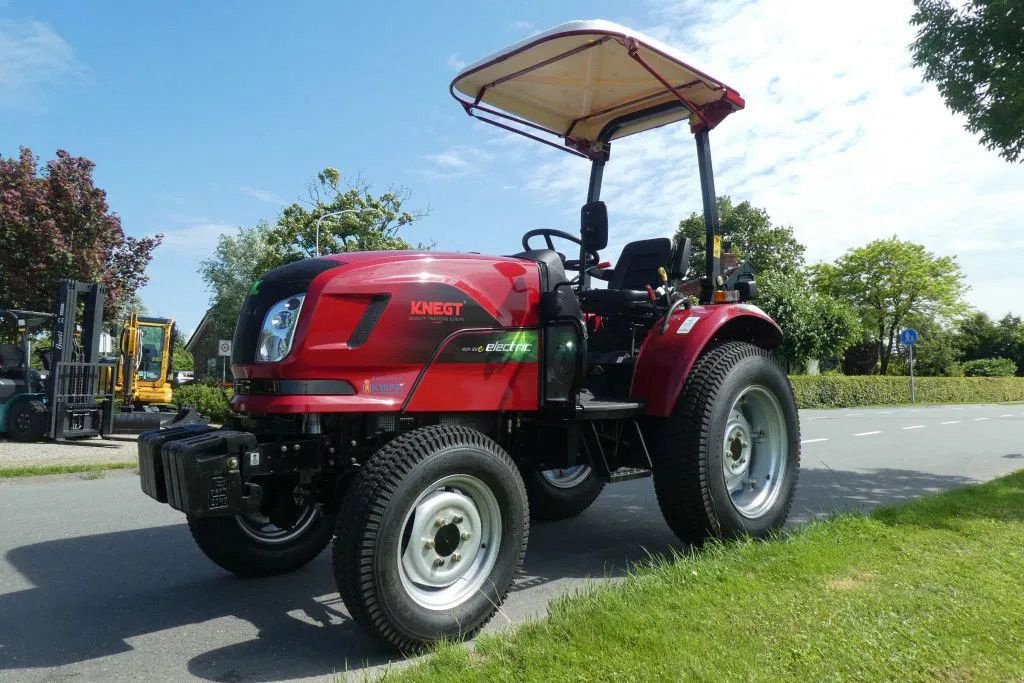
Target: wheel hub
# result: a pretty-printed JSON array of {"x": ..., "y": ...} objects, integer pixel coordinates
[
  {"x": 737, "y": 446},
  {"x": 451, "y": 536},
  {"x": 568, "y": 477},
  {"x": 754, "y": 451}
]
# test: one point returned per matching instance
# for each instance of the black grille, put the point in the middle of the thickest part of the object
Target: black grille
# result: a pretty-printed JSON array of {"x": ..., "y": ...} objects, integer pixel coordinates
[{"x": 369, "y": 320}]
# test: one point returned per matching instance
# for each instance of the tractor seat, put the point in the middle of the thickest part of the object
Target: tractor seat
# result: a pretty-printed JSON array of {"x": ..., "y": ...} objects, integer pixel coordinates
[
  {"x": 11, "y": 356},
  {"x": 636, "y": 268}
]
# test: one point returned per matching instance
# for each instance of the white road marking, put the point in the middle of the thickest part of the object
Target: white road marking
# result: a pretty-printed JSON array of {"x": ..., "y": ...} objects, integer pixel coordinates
[
  {"x": 915, "y": 427},
  {"x": 1007, "y": 415},
  {"x": 854, "y": 414},
  {"x": 867, "y": 433},
  {"x": 950, "y": 422},
  {"x": 979, "y": 419},
  {"x": 813, "y": 440}
]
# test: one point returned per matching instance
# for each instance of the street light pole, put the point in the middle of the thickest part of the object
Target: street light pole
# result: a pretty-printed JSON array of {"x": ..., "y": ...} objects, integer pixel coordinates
[{"x": 335, "y": 214}]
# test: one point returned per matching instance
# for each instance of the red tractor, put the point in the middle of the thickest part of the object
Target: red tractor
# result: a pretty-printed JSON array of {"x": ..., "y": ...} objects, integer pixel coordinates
[{"x": 419, "y": 407}]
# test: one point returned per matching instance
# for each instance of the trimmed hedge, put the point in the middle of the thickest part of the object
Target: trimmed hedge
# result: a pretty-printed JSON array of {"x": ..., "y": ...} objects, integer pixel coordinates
[
  {"x": 211, "y": 401},
  {"x": 843, "y": 391}
]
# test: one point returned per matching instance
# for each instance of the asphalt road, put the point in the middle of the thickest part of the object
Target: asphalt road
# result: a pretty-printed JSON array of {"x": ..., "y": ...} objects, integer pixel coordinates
[{"x": 100, "y": 583}]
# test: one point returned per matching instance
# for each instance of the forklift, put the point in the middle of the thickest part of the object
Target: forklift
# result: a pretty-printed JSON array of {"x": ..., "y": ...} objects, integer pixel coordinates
[{"x": 74, "y": 396}]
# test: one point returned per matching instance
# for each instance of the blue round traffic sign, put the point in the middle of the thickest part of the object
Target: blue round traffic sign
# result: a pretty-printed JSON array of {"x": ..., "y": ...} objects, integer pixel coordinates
[{"x": 909, "y": 336}]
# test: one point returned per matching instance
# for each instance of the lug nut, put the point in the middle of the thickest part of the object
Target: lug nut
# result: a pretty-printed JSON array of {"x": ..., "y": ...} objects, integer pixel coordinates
[
  {"x": 439, "y": 522},
  {"x": 458, "y": 519},
  {"x": 429, "y": 545},
  {"x": 465, "y": 535},
  {"x": 456, "y": 557},
  {"x": 439, "y": 562}
]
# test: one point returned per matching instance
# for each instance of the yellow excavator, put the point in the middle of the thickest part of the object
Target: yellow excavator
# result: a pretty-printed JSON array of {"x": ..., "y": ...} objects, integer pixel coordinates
[{"x": 145, "y": 376}]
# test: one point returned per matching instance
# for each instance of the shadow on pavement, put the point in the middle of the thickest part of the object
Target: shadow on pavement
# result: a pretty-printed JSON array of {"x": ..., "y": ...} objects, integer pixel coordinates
[
  {"x": 823, "y": 492},
  {"x": 93, "y": 594}
]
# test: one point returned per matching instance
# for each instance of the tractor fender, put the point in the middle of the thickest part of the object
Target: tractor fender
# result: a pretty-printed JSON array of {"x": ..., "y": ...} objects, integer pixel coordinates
[{"x": 665, "y": 359}]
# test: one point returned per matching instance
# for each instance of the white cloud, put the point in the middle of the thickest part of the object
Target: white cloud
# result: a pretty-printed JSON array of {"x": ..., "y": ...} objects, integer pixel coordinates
[
  {"x": 456, "y": 64},
  {"x": 840, "y": 139},
  {"x": 262, "y": 195},
  {"x": 197, "y": 239},
  {"x": 454, "y": 162},
  {"x": 32, "y": 56}
]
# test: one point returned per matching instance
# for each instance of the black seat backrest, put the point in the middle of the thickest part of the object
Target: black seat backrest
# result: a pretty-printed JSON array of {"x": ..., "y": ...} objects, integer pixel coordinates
[
  {"x": 11, "y": 356},
  {"x": 639, "y": 262}
]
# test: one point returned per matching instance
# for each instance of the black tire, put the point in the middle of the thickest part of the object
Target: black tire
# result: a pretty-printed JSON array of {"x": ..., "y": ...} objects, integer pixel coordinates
[
  {"x": 550, "y": 502},
  {"x": 28, "y": 420},
  {"x": 224, "y": 541},
  {"x": 689, "y": 453},
  {"x": 380, "y": 526}
]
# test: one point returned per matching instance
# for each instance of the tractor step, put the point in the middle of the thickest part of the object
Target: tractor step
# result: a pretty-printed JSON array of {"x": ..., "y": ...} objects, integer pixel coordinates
[
  {"x": 593, "y": 409},
  {"x": 627, "y": 473}
]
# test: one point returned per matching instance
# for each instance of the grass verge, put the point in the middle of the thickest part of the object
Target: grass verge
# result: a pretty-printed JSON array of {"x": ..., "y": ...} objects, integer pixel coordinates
[
  {"x": 929, "y": 590},
  {"x": 95, "y": 469}
]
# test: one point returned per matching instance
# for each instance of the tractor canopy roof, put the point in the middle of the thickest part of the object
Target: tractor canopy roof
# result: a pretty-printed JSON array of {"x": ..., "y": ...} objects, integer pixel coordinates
[{"x": 590, "y": 82}]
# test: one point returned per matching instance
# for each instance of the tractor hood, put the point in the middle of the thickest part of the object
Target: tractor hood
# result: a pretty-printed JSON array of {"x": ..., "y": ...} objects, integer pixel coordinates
[{"x": 370, "y": 322}]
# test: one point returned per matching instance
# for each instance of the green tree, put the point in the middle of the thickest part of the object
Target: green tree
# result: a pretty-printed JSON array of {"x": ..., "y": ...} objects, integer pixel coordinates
[
  {"x": 372, "y": 225},
  {"x": 973, "y": 52},
  {"x": 937, "y": 352},
  {"x": 982, "y": 338},
  {"x": 238, "y": 261},
  {"x": 183, "y": 360},
  {"x": 753, "y": 236},
  {"x": 889, "y": 282},
  {"x": 816, "y": 326},
  {"x": 242, "y": 258}
]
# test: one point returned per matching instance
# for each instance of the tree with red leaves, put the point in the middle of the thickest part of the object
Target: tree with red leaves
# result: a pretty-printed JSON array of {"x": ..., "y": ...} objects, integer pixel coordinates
[{"x": 54, "y": 223}]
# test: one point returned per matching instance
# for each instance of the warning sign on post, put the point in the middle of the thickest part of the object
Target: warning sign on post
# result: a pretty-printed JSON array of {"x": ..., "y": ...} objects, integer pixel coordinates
[{"x": 224, "y": 347}]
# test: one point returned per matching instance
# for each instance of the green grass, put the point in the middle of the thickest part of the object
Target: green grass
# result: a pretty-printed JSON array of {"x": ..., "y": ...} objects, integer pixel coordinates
[
  {"x": 931, "y": 590},
  {"x": 91, "y": 471}
]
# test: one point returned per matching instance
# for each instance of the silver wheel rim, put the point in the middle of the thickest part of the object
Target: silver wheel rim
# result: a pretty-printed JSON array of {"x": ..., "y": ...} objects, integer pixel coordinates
[
  {"x": 568, "y": 477},
  {"x": 259, "y": 527},
  {"x": 754, "y": 451},
  {"x": 450, "y": 542}
]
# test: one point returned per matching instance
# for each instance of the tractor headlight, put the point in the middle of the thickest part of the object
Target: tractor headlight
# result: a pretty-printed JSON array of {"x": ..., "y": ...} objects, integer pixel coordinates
[{"x": 278, "y": 329}]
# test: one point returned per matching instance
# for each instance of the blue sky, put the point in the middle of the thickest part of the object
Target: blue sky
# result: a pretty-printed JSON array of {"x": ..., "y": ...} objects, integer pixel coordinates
[{"x": 206, "y": 116}]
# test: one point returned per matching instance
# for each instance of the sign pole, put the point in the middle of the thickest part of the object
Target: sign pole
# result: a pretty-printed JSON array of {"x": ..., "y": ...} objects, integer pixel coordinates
[{"x": 913, "y": 393}]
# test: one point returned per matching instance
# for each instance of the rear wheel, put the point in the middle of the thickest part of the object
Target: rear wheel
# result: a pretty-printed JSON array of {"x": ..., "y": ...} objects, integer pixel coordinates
[
  {"x": 726, "y": 461},
  {"x": 27, "y": 420},
  {"x": 561, "y": 493},
  {"x": 435, "y": 527},
  {"x": 274, "y": 541}
]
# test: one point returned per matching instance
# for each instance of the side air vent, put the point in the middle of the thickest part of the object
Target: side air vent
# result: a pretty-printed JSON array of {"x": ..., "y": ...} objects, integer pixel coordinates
[{"x": 370, "y": 318}]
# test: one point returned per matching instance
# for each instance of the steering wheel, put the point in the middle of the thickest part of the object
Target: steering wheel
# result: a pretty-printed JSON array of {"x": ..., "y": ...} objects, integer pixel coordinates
[{"x": 547, "y": 233}]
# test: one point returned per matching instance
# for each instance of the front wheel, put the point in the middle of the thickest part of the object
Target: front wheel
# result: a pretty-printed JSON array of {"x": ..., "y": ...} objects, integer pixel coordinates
[
  {"x": 726, "y": 461},
  {"x": 435, "y": 527},
  {"x": 264, "y": 544},
  {"x": 27, "y": 420}
]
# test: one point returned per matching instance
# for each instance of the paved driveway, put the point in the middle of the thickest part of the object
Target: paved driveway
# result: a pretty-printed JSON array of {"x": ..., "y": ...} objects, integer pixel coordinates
[{"x": 100, "y": 583}]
